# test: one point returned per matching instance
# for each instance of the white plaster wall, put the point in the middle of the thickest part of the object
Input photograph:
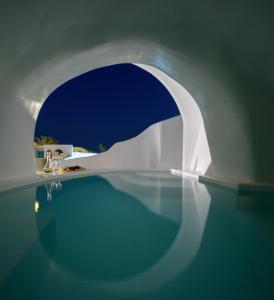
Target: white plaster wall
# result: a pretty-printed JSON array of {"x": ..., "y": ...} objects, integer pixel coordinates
[
  {"x": 67, "y": 150},
  {"x": 196, "y": 157},
  {"x": 32, "y": 92},
  {"x": 158, "y": 147},
  {"x": 171, "y": 146},
  {"x": 222, "y": 56}
]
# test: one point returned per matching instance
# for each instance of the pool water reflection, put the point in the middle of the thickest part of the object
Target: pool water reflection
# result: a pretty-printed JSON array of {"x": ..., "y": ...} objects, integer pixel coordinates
[{"x": 135, "y": 235}]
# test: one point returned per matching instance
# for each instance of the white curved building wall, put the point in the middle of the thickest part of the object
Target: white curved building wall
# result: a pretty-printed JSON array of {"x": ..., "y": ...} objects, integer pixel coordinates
[
  {"x": 26, "y": 100},
  {"x": 27, "y": 97},
  {"x": 196, "y": 157},
  {"x": 158, "y": 147},
  {"x": 166, "y": 144},
  {"x": 43, "y": 45}
]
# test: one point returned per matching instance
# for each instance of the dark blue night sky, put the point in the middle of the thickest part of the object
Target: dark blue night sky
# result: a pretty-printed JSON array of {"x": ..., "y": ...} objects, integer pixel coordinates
[{"x": 105, "y": 106}]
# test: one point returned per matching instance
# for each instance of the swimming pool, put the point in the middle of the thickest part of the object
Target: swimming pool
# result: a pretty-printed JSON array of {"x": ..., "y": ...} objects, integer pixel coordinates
[{"x": 135, "y": 235}]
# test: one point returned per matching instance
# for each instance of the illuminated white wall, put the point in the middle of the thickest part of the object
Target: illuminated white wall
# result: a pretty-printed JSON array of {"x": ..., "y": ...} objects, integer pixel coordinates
[
  {"x": 158, "y": 147},
  {"x": 167, "y": 144},
  {"x": 43, "y": 45},
  {"x": 30, "y": 93},
  {"x": 196, "y": 157}
]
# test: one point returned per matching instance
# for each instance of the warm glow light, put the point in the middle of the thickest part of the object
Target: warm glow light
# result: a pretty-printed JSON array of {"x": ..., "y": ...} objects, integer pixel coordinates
[{"x": 36, "y": 206}]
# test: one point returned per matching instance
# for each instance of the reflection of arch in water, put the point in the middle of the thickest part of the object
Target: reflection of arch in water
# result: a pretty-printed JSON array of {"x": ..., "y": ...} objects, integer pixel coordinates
[
  {"x": 159, "y": 192},
  {"x": 196, "y": 201},
  {"x": 92, "y": 228}
]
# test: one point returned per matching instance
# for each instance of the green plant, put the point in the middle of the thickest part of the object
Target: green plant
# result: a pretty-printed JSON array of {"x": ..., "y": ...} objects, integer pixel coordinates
[
  {"x": 102, "y": 148},
  {"x": 46, "y": 140}
]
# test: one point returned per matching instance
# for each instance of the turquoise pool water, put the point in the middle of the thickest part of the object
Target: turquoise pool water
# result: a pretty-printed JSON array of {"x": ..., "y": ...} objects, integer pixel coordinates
[{"x": 135, "y": 235}]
